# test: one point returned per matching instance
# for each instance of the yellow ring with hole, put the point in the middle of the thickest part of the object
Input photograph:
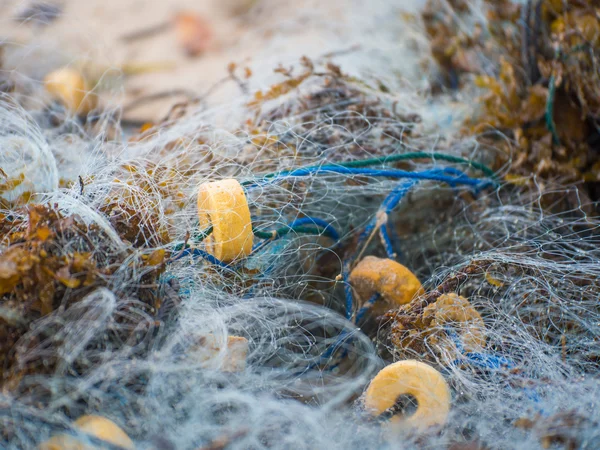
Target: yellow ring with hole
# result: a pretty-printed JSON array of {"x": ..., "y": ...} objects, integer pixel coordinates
[
  {"x": 223, "y": 205},
  {"x": 393, "y": 281},
  {"x": 72, "y": 89},
  {"x": 456, "y": 310},
  {"x": 97, "y": 426},
  {"x": 415, "y": 378}
]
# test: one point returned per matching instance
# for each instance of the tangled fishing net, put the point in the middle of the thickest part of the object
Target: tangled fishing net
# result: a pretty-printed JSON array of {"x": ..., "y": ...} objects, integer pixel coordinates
[{"x": 452, "y": 226}]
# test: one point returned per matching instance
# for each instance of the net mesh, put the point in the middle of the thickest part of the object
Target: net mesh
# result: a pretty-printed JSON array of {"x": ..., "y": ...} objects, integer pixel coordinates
[{"x": 111, "y": 305}]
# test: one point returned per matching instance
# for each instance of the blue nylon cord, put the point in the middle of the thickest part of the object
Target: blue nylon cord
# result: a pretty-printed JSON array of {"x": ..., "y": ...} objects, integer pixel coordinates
[
  {"x": 387, "y": 242},
  {"x": 396, "y": 195},
  {"x": 330, "y": 350},
  {"x": 347, "y": 289},
  {"x": 493, "y": 363},
  {"x": 432, "y": 175},
  {"x": 207, "y": 256},
  {"x": 488, "y": 361},
  {"x": 362, "y": 311}
]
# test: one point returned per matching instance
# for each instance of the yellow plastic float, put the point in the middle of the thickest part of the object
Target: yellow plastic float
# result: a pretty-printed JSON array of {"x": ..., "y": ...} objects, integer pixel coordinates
[
  {"x": 223, "y": 205},
  {"x": 70, "y": 88},
  {"x": 452, "y": 309},
  {"x": 412, "y": 378},
  {"x": 213, "y": 353},
  {"x": 97, "y": 426},
  {"x": 393, "y": 281}
]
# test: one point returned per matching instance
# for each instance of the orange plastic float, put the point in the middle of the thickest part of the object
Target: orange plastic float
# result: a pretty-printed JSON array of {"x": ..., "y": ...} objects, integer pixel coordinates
[
  {"x": 95, "y": 426},
  {"x": 223, "y": 205},
  {"x": 412, "y": 378},
  {"x": 393, "y": 281}
]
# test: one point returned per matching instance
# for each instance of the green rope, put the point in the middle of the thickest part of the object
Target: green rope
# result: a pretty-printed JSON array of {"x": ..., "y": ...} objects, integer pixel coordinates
[
  {"x": 402, "y": 157},
  {"x": 550, "y": 110},
  {"x": 280, "y": 232},
  {"x": 549, "y": 114},
  {"x": 196, "y": 239},
  {"x": 576, "y": 49},
  {"x": 203, "y": 235},
  {"x": 264, "y": 234}
]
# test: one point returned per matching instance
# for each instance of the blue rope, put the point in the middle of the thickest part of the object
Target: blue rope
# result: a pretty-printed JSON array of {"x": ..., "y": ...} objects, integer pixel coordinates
[
  {"x": 387, "y": 242},
  {"x": 389, "y": 203},
  {"x": 487, "y": 361},
  {"x": 432, "y": 175},
  {"x": 533, "y": 395},
  {"x": 396, "y": 195},
  {"x": 347, "y": 289},
  {"x": 330, "y": 351},
  {"x": 392, "y": 200},
  {"x": 201, "y": 253},
  {"x": 362, "y": 311},
  {"x": 495, "y": 363},
  {"x": 482, "y": 360},
  {"x": 455, "y": 338}
]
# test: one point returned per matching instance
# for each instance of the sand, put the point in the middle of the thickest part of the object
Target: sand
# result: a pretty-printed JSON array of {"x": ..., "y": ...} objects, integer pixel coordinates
[{"x": 90, "y": 33}]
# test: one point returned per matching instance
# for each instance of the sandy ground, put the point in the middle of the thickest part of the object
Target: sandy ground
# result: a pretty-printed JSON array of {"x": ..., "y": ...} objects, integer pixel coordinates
[{"x": 91, "y": 32}]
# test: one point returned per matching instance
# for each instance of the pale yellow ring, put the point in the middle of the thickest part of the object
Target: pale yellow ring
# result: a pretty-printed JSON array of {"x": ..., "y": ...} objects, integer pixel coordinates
[
  {"x": 414, "y": 378},
  {"x": 223, "y": 205}
]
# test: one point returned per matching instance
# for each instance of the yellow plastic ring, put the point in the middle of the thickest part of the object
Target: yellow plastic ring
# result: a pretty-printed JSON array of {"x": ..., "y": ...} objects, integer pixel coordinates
[
  {"x": 394, "y": 282},
  {"x": 456, "y": 310},
  {"x": 414, "y": 378},
  {"x": 70, "y": 87},
  {"x": 96, "y": 426},
  {"x": 223, "y": 205}
]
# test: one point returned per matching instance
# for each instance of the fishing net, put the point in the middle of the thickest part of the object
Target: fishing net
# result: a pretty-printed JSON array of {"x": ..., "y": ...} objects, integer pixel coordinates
[{"x": 113, "y": 302}]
